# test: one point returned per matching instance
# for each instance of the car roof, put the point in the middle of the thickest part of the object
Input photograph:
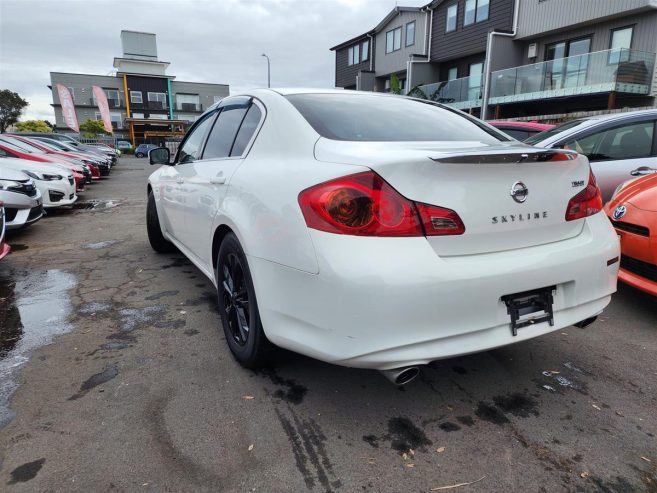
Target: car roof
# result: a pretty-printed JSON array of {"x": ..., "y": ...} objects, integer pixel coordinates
[{"x": 620, "y": 116}]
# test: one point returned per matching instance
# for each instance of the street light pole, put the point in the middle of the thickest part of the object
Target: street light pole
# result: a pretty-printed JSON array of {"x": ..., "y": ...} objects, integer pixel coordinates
[{"x": 268, "y": 71}]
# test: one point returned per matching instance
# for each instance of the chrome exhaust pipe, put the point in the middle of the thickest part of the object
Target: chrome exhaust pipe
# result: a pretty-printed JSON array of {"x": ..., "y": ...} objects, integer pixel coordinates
[{"x": 401, "y": 376}]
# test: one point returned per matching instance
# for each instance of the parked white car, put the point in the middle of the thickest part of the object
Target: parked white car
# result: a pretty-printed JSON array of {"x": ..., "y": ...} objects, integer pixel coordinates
[
  {"x": 21, "y": 198},
  {"x": 55, "y": 183},
  {"x": 377, "y": 231},
  {"x": 617, "y": 145}
]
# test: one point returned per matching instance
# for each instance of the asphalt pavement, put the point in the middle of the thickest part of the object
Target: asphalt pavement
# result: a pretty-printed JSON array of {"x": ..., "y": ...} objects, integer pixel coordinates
[{"x": 120, "y": 380}]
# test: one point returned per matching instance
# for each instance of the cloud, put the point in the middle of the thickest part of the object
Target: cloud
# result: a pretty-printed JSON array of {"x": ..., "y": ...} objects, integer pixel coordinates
[{"x": 205, "y": 41}]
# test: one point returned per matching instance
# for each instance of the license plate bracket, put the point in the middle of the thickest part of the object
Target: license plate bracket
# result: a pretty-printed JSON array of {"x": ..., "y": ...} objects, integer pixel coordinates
[{"x": 530, "y": 307}]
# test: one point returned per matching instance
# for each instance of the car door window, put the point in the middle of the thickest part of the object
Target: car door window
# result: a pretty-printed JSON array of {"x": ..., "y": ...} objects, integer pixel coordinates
[
  {"x": 191, "y": 147},
  {"x": 626, "y": 142},
  {"x": 246, "y": 131},
  {"x": 223, "y": 134}
]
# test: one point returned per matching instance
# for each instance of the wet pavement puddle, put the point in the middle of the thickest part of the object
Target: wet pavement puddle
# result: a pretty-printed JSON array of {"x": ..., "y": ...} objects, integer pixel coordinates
[{"x": 34, "y": 307}]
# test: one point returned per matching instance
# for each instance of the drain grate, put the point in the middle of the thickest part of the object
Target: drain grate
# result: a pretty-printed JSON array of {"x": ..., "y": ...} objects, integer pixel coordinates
[{"x": 95, "y": 205}]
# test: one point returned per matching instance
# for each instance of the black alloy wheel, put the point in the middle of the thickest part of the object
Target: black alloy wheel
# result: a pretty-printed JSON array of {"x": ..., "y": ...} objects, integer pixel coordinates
[
  {"x": 238, "y": 306},
  {"x": 235, "y": 299}
]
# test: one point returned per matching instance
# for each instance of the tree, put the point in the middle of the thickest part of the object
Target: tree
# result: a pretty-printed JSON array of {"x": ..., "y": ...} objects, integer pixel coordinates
[
  {"x": 11, "y": 107},
  {"x": 92, "y": 128},
  {"x": 34, "y": 126},
  {"x": 395, "y": 88}
]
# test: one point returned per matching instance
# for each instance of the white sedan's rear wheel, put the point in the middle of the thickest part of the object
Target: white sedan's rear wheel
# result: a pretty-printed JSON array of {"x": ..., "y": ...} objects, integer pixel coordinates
[
  {"x": 239, "y": 309},
  {"x": 155, "y": 237}
]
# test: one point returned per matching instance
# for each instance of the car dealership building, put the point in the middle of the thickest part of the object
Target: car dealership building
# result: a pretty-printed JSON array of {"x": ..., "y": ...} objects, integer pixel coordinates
[{"x": 146, "y": 104}]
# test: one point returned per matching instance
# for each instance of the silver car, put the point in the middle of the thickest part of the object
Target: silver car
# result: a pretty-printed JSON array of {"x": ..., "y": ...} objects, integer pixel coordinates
[
  {"x": 619, "y": 146},
  {"x": 22, "y": 199}
]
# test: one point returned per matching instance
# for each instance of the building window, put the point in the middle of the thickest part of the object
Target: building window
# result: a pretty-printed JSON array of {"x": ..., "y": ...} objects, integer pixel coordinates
[
  {"x": 621, "y": 42},
  {"x": 188, "y": 102},
  {"x": 410, "y": 33},
  {"x": 135, "y": 97},
  {"x": 393, "y": 40},
  {"x": 475, "y": 11},
  {"x": 112, "y": 95},
  {"x": 567, "y": 63},
  {"x": 366, "y": 50},
  {"x": 453, "y": 73},
  {"x": 356, "y": 54},
  {"x": 157, "y": 100},
  {"x": 474, "y": 81},
  {"x": 452, "y": 12},
  {"x": 116, "y": 119}
]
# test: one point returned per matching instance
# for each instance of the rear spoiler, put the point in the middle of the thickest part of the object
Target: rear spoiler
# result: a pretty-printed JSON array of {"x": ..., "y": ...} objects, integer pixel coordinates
[{"x": 504, "y": 157}]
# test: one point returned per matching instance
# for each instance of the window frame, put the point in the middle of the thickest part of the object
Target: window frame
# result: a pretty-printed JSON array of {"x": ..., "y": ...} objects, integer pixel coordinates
[
  {"x": 141, "y": 97},
  {"x": 165, "y": 105},
  {"x": 406, "y": 34},
  {"x": 475, "y": 11},
  {"x": 365, "y": 52},
  {"x": 356, "y": 52},
  {"x": 350, "y": 56},
  {"x": 393, "y": 31},
  {"x": 611, "y": 40},
  {"x": 454, "y": 6},
  {"x": 596, "y": 129},
  {"x": 247, "y": 148},
  {"x": 212, "y": 115}
]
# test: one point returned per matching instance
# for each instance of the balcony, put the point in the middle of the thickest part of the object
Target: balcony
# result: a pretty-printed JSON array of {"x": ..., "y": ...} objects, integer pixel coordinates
[
  {"x": 619, "y": 70},
  {"x": 188, "y": 106},
  {"x": 460, "y": 93},
  {"x": 112, "y": 103},
  {"x": 156, "y": 105}
]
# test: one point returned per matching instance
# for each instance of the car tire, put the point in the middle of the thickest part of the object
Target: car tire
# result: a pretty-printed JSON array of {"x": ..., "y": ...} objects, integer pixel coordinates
[
  {"x": 238, "y": 306},
  {"x": 155, "y": 237},
  {"x": 139, "y": 154}
]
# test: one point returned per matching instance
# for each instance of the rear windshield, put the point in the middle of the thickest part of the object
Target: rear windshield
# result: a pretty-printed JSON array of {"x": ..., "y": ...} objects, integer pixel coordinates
[
  {"x": 378, "y": 118},
  {"x": 535, "y": 139}
]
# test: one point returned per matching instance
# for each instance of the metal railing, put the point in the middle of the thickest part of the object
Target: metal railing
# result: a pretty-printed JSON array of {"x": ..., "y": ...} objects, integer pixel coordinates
[
  {"x": 462, "y": 93},
  {"x": 188, "y": 106},
  {"x": 618, "y": 70}
]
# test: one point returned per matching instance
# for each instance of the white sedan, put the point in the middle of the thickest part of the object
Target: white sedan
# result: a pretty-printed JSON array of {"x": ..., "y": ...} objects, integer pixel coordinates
[
  {"x": 55, "y": 182},
  {"x": 377, "y": 231}
]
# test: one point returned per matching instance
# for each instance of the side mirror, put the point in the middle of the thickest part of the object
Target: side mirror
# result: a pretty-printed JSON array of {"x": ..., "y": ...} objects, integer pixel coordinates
[
  {"x": 642, "y": 170},
  {"x": 159, "y": 155}
]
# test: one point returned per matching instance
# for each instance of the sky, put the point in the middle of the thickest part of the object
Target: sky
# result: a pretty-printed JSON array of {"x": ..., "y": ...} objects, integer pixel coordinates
[{"x": 218, "y": 41}]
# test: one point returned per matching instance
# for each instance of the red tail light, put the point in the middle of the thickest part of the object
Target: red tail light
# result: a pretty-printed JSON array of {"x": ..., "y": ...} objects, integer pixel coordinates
[
  {"x": 365, "y": 205},
  {"x": 585, "y": 203},
  {"x": 438, "y": 221}
]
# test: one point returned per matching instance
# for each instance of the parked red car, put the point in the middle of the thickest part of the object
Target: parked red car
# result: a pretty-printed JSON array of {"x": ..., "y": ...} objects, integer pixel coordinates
[
  {"x": 33, "y": 143},
  {"x": 520, "y": 130},
  {"x": 7, "y": 149},
  {"x": 4, "y": 248}
]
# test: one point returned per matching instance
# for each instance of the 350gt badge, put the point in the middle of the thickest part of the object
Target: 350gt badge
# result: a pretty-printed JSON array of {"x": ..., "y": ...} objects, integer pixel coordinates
[{"x": 619, "y": 212}]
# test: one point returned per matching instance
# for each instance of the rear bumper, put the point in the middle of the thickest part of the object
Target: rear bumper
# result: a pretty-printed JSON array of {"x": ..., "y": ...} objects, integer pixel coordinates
[{"x": 390, "y": 302}]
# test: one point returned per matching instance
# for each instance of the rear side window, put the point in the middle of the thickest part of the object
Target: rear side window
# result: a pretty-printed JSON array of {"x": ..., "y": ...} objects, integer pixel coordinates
[
  {"x": 375, "y": 118},
  {"x": 541, "y": 136},
  {"x": 248, "y": 128},
  {"x": 222, "y": 136},
  {"x": 626, "y": 142}
]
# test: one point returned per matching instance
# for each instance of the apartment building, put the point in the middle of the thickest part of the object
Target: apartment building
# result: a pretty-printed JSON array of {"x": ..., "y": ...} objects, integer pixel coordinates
[
  {"x": 146, "y": 104},
  {"x": 398, "y": 45},
  {"x": 529, "y": 58}
]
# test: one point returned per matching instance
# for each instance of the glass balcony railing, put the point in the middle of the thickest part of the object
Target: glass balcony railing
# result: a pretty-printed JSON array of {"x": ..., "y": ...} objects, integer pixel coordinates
[
  {"x": 620, "y": 70},
  {"x": 460, "y": 93}
]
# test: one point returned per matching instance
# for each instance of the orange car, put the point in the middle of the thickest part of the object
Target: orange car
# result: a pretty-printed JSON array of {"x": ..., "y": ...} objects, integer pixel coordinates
[{"x": 633, "y": 212}]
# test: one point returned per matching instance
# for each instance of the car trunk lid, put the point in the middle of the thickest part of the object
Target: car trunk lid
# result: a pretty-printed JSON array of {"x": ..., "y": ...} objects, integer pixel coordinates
[{"x": 478, "y": 182}]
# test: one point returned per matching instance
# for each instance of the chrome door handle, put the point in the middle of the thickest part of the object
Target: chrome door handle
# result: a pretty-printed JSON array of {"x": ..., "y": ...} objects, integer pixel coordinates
[{"x": 218, "y": 180}]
